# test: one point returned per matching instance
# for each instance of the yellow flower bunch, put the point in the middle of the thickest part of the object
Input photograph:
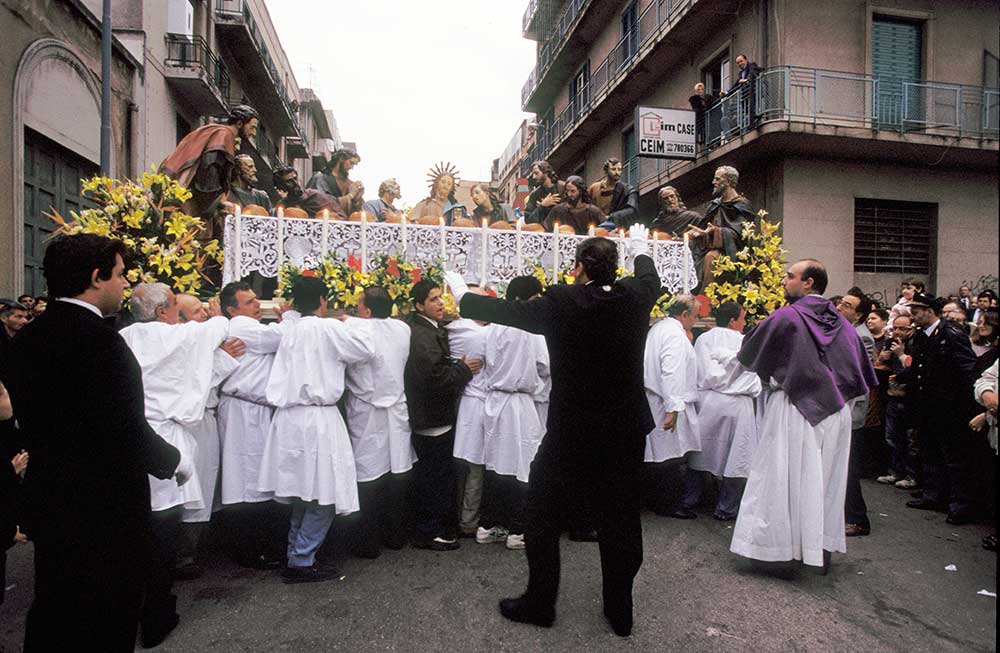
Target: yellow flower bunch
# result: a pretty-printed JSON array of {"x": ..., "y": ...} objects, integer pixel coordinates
[
  {"x": 148, "y": 217},
  {"x": 753, "y": 276},
  {"x": 658, "y": 310}
]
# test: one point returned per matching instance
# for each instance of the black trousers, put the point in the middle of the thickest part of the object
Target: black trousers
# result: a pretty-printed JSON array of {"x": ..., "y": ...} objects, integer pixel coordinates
[
  {"x": 949, "y": 450},
  {"x": 609, "y": 483},
  {"x": 855, "y": 508},
  {"x": 160, "y": 603},
  {"x": 87, "y": 592},
  {"x": 504, "y": 499},
  {"x": 383, "y": 505},
  {"x": 257, "y": 529},
  {"x": 434, "y": 486}
]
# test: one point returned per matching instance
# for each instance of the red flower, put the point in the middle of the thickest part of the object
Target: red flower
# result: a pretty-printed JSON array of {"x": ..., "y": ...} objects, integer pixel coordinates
[
  {"x": 353, "y": 263},
  {"x": 415, "y": 275},
  {"x": 310, "y": 273},
  {"x": 490, "y": 292},
  {"x": 392, "y": 269},
  {"x": 704, "y": 306}
]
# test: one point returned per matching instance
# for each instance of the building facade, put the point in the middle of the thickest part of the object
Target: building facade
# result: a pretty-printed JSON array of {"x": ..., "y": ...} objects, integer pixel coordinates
[
  {"x": 870, "y": 132},
  {"x": 177, "y": 65},
  {"x": 508, "y": 181}
]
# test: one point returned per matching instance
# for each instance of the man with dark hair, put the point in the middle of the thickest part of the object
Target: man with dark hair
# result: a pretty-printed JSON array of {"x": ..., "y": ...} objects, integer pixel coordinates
[
  {"x": 27, "y": 301},
  {"x": 592, "y": 451},
  {"x": 335, "y": 180},
  {"x": 433, "y": 381},
  {"x": 618, "y": 201},
  {"x": 313, "y": 202},
  {"x": 308, "y": 460},
  {"x": 203, "y": 163},
  {"x": 983, "y": 301},
  {"x": 13, "y": 317},
  {"x": 86, "y": 492},
  {"x": 815, "y": 363},
  {"x": 855, "y": 306},
  {"x": 378, "y": 423},
  {"x": 575, "y": 209},
  {"x": 546, "y": 192},
  {"x": 939, "y": 384}
]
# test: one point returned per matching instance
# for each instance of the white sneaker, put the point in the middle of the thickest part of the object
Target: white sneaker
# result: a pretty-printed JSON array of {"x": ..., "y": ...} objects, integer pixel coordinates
[
  {"x": 515, "y": 541},
  {"x": 888, "y": 479},
  {"x": 495, "y": 534}
]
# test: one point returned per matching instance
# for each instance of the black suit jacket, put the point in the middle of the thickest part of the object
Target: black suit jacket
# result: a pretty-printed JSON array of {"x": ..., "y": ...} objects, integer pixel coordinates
[
  {"x": 432, "y": 379},
  {"x": 596, "y": 338},
  {"x": 77, "y": 393},
  {"x": 940, "y": 378}
]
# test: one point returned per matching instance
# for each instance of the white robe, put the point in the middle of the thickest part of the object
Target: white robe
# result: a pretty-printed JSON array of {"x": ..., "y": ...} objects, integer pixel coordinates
[
  {"x": 544, "y": 385},
  {"x": 725, "y": 406},
  {"x": 377, "y": 418},
  {"x": 468, "y": 338},
  {"x": 206, "y": 434},
  {"x": 511, "y": 424},
  {"x": 793, "y": 506},
  {"x": 671, "y": 377},
  {"x": 308, "y": 453},
  {"x": 244, "y": 413},
  {"x": 177, "y": 370}
]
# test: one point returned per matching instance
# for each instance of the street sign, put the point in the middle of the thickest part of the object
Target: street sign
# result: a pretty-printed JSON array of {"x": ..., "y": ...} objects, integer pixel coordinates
[{"x": 665, "y": 133}]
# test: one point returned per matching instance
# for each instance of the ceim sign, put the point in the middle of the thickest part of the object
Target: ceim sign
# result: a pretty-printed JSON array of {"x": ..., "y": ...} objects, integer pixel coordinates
[{"x": 665, "y": 133}]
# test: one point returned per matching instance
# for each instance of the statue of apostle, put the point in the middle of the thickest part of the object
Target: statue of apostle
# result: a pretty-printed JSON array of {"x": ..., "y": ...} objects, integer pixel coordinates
[
  {"x": 203, "y": 163},
  {"x": 243, "y": 191},
  {"x": 721, "y": 230},
  {"x": 312, "y": 201},
  {"x": 443, "y": 180},
  {"x": 335, "y": 180},
  {"x": 673, "y": 217}
]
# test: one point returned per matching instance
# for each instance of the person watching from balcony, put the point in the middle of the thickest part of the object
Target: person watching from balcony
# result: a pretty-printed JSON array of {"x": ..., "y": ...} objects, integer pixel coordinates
[
  {"x": 721, "y": 231},
  {"x": 744, "y": 86},
  {"x": 673, "y": 218},
  {"x": 203, "y": 163},
  {"x": 546, "y": 192},
  {"x": 382, "y": 208},
  {"x": 614, "y": 198},
  {"x": 575, "y": 209},
  {"x": 700, "y": 102},
  {"x": 312, "y": 201},
  {"x": 244, "y": 192},
  {"x": 335, "y": 180}
]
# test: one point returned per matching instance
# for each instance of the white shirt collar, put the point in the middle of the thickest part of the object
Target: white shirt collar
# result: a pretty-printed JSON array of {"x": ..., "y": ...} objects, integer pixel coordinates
[
  {"x": 932, "y": 328},
  {"x": 434, "y": 322},
  {"x": 79, "y": 302}
]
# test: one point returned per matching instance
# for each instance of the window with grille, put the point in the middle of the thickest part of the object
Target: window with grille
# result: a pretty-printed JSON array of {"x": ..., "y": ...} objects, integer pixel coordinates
[{"x": 891, "y": 236}]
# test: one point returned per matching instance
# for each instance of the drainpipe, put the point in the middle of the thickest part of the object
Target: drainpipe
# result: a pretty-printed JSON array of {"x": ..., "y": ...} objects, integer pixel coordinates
[{"x": 106, "y": 89}]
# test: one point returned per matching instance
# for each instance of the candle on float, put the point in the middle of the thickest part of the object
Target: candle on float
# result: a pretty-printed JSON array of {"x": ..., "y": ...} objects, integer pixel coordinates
[
  {"x": 517, "y": 226},
  {"x": 281, "y": 241},
  {"x": 483, "y": 268},
  {"x": 685, "y": 256},
  {"x": 364, "y": 241},
  {"x": 237, "y": 242},
  {"x": 590, "y": 230},
  {"x": 402, "y": 233},
  {"x": 325, "y": 216},
  {"x": 444, "y": 254},
  {"x": 555, "y": 252}
]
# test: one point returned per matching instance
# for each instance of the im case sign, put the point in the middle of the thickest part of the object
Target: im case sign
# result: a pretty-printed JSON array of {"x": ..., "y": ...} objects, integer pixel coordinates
[{"x": 665, "y": 133}]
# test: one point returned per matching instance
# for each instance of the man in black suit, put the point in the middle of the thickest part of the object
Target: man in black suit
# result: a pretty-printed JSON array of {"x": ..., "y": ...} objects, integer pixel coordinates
[
  {"x": 940, "y": 381},
  {"x": 77, "y": 391},
  {"x": 597, "y": 422},
  {"x": 744, "y": 87}
]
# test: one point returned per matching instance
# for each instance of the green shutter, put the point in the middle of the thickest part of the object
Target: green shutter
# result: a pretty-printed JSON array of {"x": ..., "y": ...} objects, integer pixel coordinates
[{"x": 897, "y": 52}]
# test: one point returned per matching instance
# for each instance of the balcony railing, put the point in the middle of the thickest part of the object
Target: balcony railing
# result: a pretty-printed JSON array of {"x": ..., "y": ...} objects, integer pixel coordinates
[
  {"x": 529, "y": 14},
  {"x": 561, "y": 31},
  {"x": 184, "y": 51}
]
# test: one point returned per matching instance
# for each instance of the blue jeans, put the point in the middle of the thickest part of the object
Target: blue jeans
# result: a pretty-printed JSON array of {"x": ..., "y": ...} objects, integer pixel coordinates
[
  {"x": 730, "y": 492},
  {"x": 897, "y": 438},
  {"x": 309, "y": 525}
]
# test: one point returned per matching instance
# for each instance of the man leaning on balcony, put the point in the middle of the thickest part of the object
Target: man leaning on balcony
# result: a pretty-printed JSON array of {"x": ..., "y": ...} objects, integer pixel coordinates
[{"x": 744, "y": 86}]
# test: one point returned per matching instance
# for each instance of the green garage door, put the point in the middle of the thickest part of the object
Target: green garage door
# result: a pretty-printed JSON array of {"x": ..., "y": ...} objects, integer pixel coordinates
[{"x": 897, "y": 53}]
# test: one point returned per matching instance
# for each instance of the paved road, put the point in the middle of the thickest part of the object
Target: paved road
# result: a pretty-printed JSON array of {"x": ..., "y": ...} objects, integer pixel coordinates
[{"x": 890, "y": 592}]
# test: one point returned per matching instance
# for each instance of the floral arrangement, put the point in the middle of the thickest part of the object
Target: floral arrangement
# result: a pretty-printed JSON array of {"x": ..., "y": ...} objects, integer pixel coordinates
[
  {"x": 346, "y": 281},
  {"x": 753, "y": 276},
  {"x": 148, "y": 217}
]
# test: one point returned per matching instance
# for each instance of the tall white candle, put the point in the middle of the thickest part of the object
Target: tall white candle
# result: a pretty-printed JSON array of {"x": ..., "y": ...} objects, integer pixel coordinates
[
  {"x": 326, "y": 232},
  {"x": 281, "y": 240},
  {"x": 364, "y": 241},
  {"x": 518, "y": 256},
  {"x": 402, "y": 232},
  {"x": 590, "y": 230},
  {"x": 444, "y": 254},
  {"x": 237, "y": 245},
  {"x": 621, "y": 248},
  {"x": 685, "y": 258},
  {"x": 483, "y": 268},
  {"x": 555, "y": 252}
]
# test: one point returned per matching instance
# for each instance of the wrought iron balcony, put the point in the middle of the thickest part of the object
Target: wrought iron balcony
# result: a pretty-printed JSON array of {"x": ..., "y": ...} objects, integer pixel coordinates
[{"x": 193, "y": 70}]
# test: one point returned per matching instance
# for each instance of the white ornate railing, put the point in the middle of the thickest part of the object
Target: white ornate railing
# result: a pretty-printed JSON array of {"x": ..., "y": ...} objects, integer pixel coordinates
[{"x": 264, "y": 244}]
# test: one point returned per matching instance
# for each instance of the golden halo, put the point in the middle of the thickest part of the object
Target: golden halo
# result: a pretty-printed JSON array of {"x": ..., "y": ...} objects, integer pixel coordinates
[{"x": 439, "y": 170}]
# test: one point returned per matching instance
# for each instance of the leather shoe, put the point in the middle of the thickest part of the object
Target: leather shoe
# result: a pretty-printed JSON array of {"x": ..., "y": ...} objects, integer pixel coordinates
[
  {"x": 518, "y": 610},
  {"x": 683, "y": 513},
  {"x": 589, "y": 535},
  {"x": 925, "y": 504},
  {"x": 620, "y": 624},
  {"x": 959, "y": 518},
  {"x": 855, "y": 530},
  {"x": 314, "y": 574},
  {"x": 154, "y": 634}
]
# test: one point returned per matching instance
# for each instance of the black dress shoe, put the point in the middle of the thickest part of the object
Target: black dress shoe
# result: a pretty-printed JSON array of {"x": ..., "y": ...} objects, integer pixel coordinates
[
  {"x": 518, "y": 610},
  {"x": 827, "y": 561},
  {"x": 925, "y": 504},
  {"x": 314, "y": 574},
  {"x": 682, "y": 513},
  {"x": 582, "y": 535},
  {"x": 621, "y": 624},
  {"x": 154, "y": 634},
  {"x": 957, "y": 518},
  {"x": 856, "y": 530}
]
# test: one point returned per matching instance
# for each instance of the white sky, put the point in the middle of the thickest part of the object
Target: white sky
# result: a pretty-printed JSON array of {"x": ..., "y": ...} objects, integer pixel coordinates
[{"x": 412, "y": 82}]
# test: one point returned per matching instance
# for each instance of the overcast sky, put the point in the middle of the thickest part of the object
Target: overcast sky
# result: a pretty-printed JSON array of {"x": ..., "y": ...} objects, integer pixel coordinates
[{"x": 412, "y": 82}]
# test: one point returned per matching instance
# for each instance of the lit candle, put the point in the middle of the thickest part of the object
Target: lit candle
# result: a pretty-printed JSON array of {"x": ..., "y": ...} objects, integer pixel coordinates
[
  {"x": 402, "y": 231},
  {"x": 555, "y": 252},
  {"x": 281, "y": 241},
  {"x": 444, "y": 254},
  {"x": 590, "y": 230},
  {"x": 484, "y": 254},
  {"x": 686, "y": 262},
  {"x": 325, "y": 215},
  {"x": 518, "y": 257},
  {"x": 237, "y": 258},
  {"x": 364, "y": 241},
  {"x": 621, "y": 248}
]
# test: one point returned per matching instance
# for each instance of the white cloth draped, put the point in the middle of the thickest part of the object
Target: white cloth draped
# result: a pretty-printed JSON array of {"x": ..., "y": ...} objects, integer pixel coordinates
[
  {"x": 793, "y": 505},
  {"x": 725, "y": 406},
  {"x": 671, "y": 376},
  {"x": 545, "y": 384},
  {"x": 308, "y": 453},
  {"x": 468, "y": 338},
  {"x": 244, "y": 413},
  {"x": 377, "y": 417},
  {"x": 177, "y": 364},
  {"x": 513, "y": 432}
]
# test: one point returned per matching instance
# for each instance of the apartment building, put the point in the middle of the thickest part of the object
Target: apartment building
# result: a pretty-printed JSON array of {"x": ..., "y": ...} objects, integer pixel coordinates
[
  {"x": 177, "y": 64},
  {"x": 509, "y": 182},
  {"x": 871, "y": 131}
]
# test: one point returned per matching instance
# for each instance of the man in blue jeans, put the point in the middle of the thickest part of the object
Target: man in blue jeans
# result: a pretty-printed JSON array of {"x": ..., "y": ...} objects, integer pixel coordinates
[{"x": 896, "y": 358}]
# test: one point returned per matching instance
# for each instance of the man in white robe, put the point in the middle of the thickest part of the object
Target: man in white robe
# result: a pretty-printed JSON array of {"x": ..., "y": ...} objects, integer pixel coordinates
[
  {"x": 468, "y": 338},
  {"x": 725, "y": 413},
  {"x": 379, "y": 425},
  {"x": 177, "y": 364},
  {"x": 194, "y": 521},
  {"x": 254, "y": 522},
  {"x": 308, "y": 461},
  {"x": 671, "y": 380},
  {"x": 517, "y": 365},
  {"x": 815, "y": 363}
]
